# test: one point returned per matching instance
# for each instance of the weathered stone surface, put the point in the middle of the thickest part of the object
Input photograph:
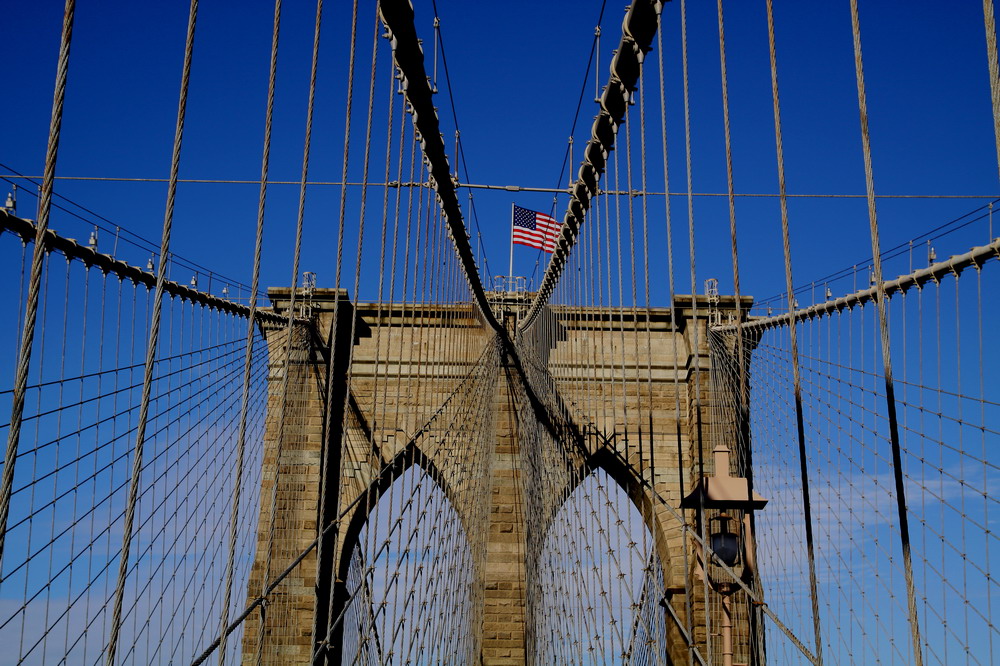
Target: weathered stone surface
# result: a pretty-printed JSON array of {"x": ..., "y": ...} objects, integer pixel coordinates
[{"x": 633, "y": 373}]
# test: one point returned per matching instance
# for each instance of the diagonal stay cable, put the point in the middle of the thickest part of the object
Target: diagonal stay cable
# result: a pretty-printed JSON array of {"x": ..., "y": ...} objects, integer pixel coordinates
[{"x": 335, "y": 523}]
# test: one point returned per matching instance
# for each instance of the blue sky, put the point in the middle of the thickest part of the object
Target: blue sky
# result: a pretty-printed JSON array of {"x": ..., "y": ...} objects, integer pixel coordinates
[{"x": 516, "y": 70}]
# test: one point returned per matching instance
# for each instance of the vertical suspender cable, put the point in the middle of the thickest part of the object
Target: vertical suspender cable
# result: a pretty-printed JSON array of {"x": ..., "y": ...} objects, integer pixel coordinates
[
  {"x": 251, "y": 325},
  {"x": 290, "y": 328},
  {"x": 154, "y": 336},
  {"x": 796, "y": 379},
  {"x": 332, "y": 341},
  {"x": 645, "y": 287},
  {"x": 357, "y": 275},
  {"x": 652, "y": 552},
  {"x": 744, "y": 396},
  {"x": 883, "y": 326},
  {"x": 372, "y": 506},
  {"x": 632, "y": 281},
  {"x": 743, "y": 416},
  {"x": 688, "y": 601},
  {"x": 35, "y": 276},
  {"x": 695, "y": 354}
]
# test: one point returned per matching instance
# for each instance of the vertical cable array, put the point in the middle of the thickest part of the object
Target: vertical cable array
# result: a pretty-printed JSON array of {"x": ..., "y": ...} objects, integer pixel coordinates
[
  {"x": 254, "y": 282},
  {"x": 883, "y": 328},
  {"x": 388, "y": 464},
  {"x": 154, "y": 333},
  {"x": 944, "y": 415},
  {"x": 26, "y": 342},
  {"x": 807, "y": 519},
  {"x": 69, "y": 498},
  {"x": 384, "y": 396}
]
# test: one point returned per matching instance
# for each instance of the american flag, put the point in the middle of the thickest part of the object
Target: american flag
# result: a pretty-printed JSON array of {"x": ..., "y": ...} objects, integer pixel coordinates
[{"x": 535, "y": 229}]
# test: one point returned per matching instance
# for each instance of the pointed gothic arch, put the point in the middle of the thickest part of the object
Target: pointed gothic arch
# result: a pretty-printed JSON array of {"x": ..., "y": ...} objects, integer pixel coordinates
[{"x": 362, "y": 601}]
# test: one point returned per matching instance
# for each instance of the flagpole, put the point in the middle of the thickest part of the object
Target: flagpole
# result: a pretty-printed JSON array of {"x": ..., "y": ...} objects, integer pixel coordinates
[{"x": 510, "y": 267}]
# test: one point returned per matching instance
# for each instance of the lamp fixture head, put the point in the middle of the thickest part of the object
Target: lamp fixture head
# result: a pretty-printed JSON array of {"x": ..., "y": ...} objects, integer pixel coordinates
[{"x": 724, "y": 543}]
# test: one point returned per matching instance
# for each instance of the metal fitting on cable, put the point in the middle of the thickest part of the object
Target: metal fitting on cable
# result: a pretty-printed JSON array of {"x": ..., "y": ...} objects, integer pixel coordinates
[{"x": 11, "y": 204}]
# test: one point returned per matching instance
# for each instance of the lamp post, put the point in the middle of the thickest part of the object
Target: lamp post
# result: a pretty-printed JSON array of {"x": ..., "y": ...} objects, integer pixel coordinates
[
  {"x": 726, "y": 547},
  {"x": 724, "y": 492}
]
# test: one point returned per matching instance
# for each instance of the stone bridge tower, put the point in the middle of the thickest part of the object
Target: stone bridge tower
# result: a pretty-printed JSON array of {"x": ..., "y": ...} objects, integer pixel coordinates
[{"x": 589, "y": 350}]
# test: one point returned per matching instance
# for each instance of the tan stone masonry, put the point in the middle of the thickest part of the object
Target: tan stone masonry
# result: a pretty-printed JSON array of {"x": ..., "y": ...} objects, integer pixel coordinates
[{"x": 601, "y": 361}]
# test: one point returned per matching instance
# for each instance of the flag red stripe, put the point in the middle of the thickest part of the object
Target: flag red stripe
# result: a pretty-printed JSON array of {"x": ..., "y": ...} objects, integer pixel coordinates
[
  {"x": 543, "y": 237},
  {"x": 546, "y": 247},
  {"x": 522, "y": 241}
]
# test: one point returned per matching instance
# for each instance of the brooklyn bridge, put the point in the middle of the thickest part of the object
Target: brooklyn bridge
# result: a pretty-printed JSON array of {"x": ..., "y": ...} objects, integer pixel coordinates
[{"x": 269, "y": 402}]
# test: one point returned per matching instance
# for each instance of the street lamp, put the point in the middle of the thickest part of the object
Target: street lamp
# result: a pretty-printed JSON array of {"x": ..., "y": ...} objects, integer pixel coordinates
[
  {"x": 726, "y": 547},
  {"x": 724, "y": 543},
  {"x": 723, "y": 493}
]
